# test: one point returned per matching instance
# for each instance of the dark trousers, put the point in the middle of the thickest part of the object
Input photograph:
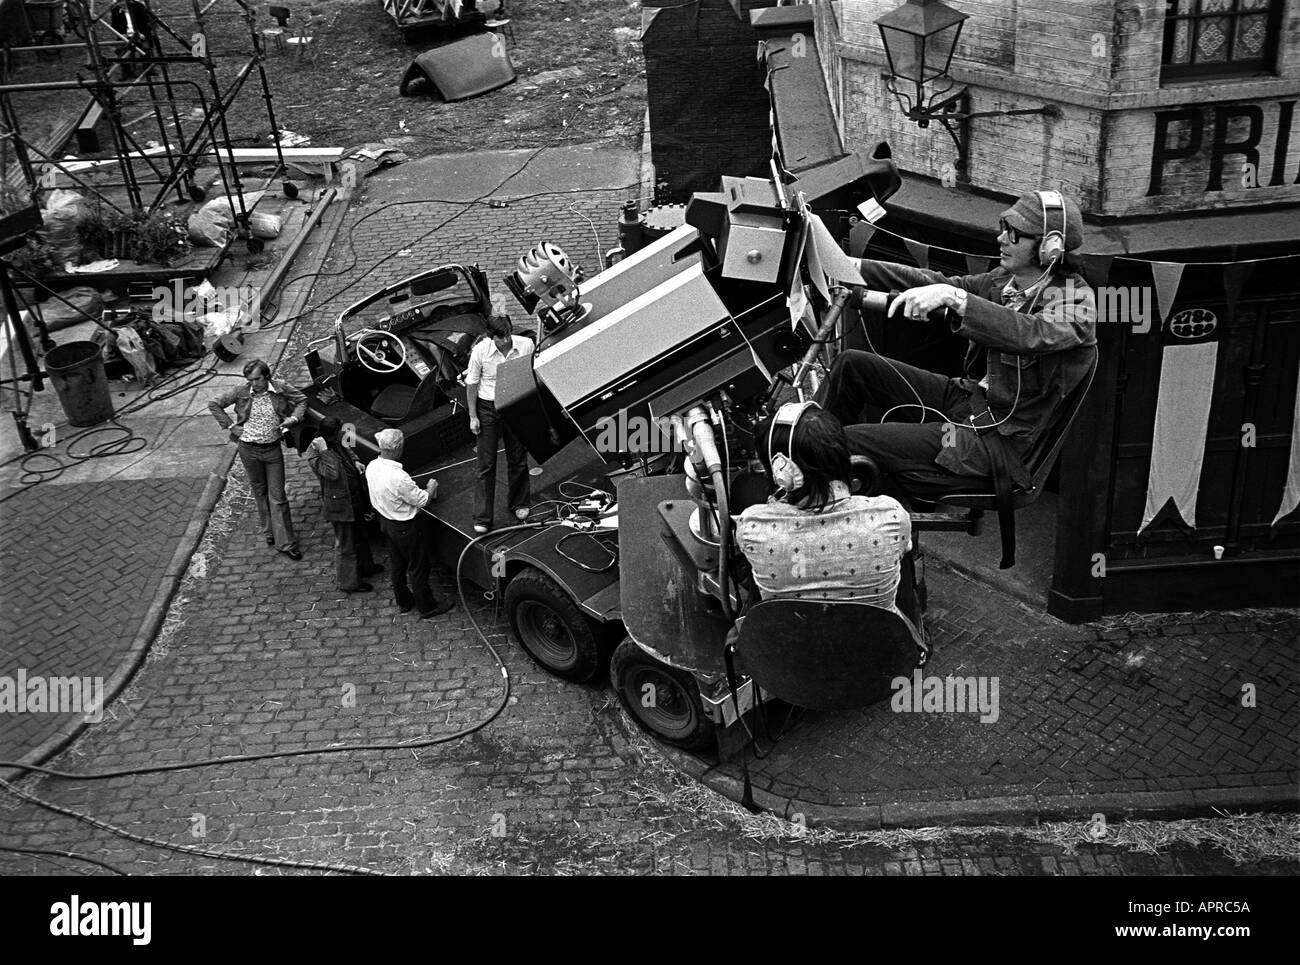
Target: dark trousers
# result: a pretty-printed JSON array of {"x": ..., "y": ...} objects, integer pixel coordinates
[
  {"x": 902, "y": 448},
  {"x": 352, "y": 556},
  {"x": 264, "y": 464},
  {"x": 491, "y": 431},
  {"x": 410, "y": 558}
]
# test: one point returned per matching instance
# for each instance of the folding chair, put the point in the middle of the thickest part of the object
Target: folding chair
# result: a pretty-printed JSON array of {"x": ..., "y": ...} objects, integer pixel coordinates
[
  {"x": 276, "y": 34},
  {"x": 1039, "y": 461}
]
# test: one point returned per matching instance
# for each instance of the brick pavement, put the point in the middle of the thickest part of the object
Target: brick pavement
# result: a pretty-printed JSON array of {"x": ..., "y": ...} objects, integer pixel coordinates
[
  {"x": 1143, "y": 720},
  {"x": 79, "y": 568}
]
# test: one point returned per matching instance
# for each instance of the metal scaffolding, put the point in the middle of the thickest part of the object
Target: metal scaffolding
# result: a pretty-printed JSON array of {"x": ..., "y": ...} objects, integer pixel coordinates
[{"x": 136, "y": 57}]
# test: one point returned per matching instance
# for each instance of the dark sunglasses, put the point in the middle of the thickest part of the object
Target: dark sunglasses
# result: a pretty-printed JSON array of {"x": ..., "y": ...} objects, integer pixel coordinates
[{"x": 1012, "y": 233}]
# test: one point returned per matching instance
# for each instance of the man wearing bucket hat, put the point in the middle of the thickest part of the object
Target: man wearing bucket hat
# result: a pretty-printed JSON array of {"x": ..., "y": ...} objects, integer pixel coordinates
[
  {"x": 400, "y": 503},
  {"x": 1031, "y": 330},
  {"x": 264, "y": 410}
]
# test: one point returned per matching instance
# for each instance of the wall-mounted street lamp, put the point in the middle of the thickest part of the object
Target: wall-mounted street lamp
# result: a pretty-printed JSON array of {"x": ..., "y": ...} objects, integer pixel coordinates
[{"x": 919, "y": 38}]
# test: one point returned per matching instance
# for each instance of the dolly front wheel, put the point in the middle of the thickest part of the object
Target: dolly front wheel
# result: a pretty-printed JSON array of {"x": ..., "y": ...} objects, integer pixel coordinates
[{"x": 549, "y": 625}]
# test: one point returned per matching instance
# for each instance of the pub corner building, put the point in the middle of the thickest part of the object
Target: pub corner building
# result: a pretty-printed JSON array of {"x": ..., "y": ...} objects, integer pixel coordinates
[{"x": 1173, "y": 123}]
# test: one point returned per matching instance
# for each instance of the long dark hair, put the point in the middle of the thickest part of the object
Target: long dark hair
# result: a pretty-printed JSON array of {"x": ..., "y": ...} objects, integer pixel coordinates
[
  {"x": 497, "y": 326},
  {"x": 821, "y": 449}
]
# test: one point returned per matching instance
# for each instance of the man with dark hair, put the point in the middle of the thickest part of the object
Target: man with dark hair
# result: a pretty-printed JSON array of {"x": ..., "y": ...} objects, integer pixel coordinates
[
  {"x": 480, "y": 389},
  {"x": 264, "y": 411},
  {"x": 1032, "y": 320},
  {"x": 343, "y": 500},
  {"x": 815, "y": 539}
]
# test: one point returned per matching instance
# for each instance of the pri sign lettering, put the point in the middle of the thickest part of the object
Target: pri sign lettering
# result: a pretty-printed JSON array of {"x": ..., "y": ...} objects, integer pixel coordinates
[{"x": 1181, "y": 136}]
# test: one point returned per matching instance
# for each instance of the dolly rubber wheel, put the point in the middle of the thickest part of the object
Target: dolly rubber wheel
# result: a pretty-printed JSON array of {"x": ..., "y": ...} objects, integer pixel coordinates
[
  {"x": 549, "y": 625},
  {"x": 663, "y": 699}
]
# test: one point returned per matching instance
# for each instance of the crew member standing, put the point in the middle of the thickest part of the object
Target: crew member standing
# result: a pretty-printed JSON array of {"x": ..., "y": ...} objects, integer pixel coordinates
[
  {"x": 481, "y": 390},
  {"x": 343, "y": 500},
  {"x": 264, "y": 410},
  {"x": 398, "y": 501}
]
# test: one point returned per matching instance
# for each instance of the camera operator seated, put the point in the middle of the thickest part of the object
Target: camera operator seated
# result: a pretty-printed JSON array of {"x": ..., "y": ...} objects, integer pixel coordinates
[
  {"x": 1034, "y": 319},
  {"x": 814, "y": 539}
]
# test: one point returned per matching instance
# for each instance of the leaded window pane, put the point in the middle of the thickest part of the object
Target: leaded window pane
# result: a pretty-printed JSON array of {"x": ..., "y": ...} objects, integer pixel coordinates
[
  {"x": 1212, "y": 40},
  {"x": 1182, "y": 42},
  {"x": 1251, "y": 33}
]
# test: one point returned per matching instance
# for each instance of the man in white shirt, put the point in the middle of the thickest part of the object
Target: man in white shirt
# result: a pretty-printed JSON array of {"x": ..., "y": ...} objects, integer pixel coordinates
[
  {"x": 481, "y": 391},
  {"x": 399, "y": 502}
]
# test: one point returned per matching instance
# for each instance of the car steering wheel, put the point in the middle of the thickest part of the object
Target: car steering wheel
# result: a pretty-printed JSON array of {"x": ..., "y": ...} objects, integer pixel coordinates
[{"x": 377, "y": 359}]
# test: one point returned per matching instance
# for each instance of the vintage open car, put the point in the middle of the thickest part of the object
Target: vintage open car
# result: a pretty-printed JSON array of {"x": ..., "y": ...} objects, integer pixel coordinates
[{"x": 397, "y": 359}]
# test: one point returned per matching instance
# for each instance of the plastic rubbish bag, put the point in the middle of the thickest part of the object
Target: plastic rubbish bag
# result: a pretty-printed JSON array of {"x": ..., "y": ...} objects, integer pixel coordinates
[
  {"x": 265, "y": 225},
  {"x": 212, "y": 225},
  {"x": 217, "y": 324},
  {"x": 60, "y": 214},
  {"x": 131, "y": 345},
  {"x": 72, "y": 307}
]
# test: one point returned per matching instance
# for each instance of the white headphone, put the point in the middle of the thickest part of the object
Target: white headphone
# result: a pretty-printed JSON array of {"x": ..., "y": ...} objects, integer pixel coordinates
[
  {"x": 1051, "y": 249},
  {"x": 785, "y": 471}
]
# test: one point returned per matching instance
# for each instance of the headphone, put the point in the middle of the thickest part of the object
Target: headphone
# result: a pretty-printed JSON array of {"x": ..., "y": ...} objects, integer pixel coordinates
[
  {"x": 785, "y": 471},
  {"x": 1051, "y": 249}
]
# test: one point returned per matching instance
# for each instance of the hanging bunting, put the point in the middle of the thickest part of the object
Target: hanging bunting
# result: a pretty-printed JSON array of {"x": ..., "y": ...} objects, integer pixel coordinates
[
  {"x": 859, "y": 237},
  {"x": 1187, "y": 366},
  {"x": 978, "y": 264},
  {"x": 1097, "y": 269},
  {"x": 1167, "y": 275},
  {"x": 920, "y": 252},
  {"x": 1291, "y": 494}
]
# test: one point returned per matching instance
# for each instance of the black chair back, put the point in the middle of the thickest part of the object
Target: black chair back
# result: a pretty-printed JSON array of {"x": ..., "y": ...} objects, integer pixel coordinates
[{"x": 824, "y": 655}]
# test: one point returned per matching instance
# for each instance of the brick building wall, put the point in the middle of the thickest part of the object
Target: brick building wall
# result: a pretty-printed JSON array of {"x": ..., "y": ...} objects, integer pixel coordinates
[
  {"x": 709, "y": 112},
  {"x": 1099, "y": 62}
]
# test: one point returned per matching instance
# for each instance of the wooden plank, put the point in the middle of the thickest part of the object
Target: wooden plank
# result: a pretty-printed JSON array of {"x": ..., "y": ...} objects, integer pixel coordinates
[{"x": 242, "y": 155}]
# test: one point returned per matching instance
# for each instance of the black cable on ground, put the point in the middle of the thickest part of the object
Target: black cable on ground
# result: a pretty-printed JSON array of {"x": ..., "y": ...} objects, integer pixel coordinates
[
  {"x": 502, "y": 703},
  {"x": 65, "y": 854},
  {"x": 434, "y": 230},
  {"x": 466, "y": 205},
  {"x": 182, "y": 848}
]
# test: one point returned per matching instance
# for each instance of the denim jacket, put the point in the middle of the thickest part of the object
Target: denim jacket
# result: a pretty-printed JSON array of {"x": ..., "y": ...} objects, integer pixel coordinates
[
  {"x": 290, "y": 404},
  {"x": 1033, "y": 360}
]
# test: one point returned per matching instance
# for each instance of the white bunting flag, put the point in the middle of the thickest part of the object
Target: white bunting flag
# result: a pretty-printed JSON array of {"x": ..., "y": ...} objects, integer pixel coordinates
[
  {"x": 1291, "y": 495},
  {"x": 1182, "y": 421}
]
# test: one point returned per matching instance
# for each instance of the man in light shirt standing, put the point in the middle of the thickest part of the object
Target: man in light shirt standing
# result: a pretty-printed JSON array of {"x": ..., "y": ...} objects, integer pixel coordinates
[
  {"x": 399, "y": 502},
  {"x": 481, "y": 391}
]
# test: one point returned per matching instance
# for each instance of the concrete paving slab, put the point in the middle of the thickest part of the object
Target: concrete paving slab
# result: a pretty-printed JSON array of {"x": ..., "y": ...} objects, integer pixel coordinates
[{"x": 462, "y": 177}]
